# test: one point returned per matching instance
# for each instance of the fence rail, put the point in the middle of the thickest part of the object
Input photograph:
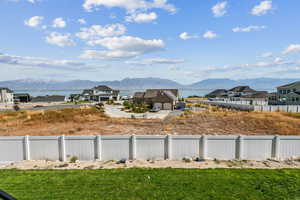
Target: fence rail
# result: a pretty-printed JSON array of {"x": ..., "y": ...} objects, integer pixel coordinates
[{"x": 88, "y": 148}]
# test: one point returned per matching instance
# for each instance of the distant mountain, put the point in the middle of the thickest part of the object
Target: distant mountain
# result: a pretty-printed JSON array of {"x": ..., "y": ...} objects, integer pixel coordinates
[
  {"x": 257, "y": 83},
  {"x": 125, "y": 84},
  {"x": 145, "y": 83},
  {"x": 215, "y": 84}
]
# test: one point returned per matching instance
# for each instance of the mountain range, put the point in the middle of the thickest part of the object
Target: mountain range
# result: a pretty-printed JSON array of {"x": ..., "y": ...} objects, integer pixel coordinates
[{"x": 145, "y": 83}]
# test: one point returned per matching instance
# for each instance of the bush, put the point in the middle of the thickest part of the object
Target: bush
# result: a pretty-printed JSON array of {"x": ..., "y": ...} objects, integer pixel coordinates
[
  {"x": 73, "y": 159},
  {"x": 136, "y": 108},
  {"x": 110, "y": 102}
]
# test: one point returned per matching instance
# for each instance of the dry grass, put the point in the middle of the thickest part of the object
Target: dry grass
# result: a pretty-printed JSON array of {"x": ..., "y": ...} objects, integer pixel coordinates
[{"x": 90, "y": 121}]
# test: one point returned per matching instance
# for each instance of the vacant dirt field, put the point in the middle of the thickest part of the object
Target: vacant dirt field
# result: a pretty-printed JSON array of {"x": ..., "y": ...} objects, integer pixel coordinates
[{"x": 90, "y": 121}]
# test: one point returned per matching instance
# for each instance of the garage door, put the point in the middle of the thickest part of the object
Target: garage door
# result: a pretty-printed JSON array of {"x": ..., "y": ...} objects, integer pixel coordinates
[{"x": 167, "y": 106}]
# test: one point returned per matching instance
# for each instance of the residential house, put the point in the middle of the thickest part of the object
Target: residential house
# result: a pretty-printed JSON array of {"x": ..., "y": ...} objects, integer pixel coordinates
[
  {"x": 6, "y": 96},
  {"x": 101, "y": 93},
  {"x": 289, "y": 94},
  {"x": 22, "y": 97},
  {"x": 164, "y": 99}
]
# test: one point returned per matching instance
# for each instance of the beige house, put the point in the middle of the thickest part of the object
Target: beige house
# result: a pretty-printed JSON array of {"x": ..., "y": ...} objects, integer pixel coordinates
[
  {"x": 6, "y": 96},
  {"x": 289, "y": 94},
  {"x": 164, "y": 99}
]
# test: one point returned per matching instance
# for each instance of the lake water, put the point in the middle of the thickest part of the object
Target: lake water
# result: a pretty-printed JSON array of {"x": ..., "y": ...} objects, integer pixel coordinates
[{"x": 183, "y": 92}]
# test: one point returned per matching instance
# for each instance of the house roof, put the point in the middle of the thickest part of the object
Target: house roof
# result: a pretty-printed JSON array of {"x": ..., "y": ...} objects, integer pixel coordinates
[
  {"x": 258, "y": 95},
  {"x": 21, "y": 94},
  {"x": 170, "y": 94},
  {"x": 243, "y": 88},
  {"x": 272, "y": 94},
  {"x": 7, "y": 89},
  {"x": 150, "y": 93},
  {"x": 139, "y": 95},
  {"x": 88, "y": 92},
  {"x": 290, "y": 85},
  {"x": 217, "y": 93},
  {"x": 102, "y": 88}
]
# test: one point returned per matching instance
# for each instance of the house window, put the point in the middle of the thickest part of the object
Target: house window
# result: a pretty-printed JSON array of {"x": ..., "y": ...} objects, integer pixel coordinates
[
  {"x": 294, "y": 90},
  {"x": 288, "y": 91},
  {"x": 297, "y": 98}
]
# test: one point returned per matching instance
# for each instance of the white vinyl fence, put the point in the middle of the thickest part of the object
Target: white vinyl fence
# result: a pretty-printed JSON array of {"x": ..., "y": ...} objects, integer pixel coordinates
[
  {"x": 88, "y": 148},
  {"x": 278, "y": 108},
  {"x": 246, "y": 107}
]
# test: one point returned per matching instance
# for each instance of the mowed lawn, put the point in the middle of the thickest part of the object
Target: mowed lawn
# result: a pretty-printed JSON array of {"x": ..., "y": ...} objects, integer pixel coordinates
[{"x": 215, "y": 184}]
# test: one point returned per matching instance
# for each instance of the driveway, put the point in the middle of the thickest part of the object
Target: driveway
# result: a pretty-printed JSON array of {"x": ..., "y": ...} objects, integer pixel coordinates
[{"x": 116, "y": 112}]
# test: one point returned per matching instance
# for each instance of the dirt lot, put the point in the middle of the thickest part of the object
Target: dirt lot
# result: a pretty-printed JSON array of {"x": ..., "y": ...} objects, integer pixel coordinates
[
  {"x": 90, "y": 121},
  {"x": 43, "y": 164}
]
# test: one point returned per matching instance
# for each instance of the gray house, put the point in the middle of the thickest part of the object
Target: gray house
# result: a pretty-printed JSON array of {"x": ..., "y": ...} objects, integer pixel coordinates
[
  {"x": 289, "y": 94},
  {"x": 100, "y": 93}
]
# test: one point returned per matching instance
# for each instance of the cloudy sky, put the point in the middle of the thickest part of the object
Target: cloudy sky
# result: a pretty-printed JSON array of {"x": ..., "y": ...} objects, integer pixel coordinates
[{"x": 183, "y": 40}]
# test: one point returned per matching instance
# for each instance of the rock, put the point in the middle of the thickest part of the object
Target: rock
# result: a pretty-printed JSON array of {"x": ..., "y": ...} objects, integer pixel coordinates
[
  {"x": 122, "y": 161},
  {"x": 187, "y": 159},
  {"x": 198, "y": 159}
]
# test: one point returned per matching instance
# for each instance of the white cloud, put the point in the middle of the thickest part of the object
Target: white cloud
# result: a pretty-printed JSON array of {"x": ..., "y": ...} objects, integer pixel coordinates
[
  {"x": 122, "y": 48},
  {"x": 186, "y": 36},
  {"x": 59, "y": 39},
  {"x": 293, "y": 48},
  {"x": 41, "y": 62},
  {"x": 31, "y": 1},
  {"x": 96, "y": 31},
  {"x": 59, "y": 23},
  {"x": 209, "y": 35},
  {"x": 219, "y": 9},
  {"x": 131, "y": 6},
  {"x": 81, "y": 21},
  {"x": 152, "y": 61},
  {"x": 34, "y": 21},
  {"x": 263, "y": 8},
  {"x": 248, "y": 28},
  {"x": 267, "y": 55},
  {"x": 142, "y": 17}
]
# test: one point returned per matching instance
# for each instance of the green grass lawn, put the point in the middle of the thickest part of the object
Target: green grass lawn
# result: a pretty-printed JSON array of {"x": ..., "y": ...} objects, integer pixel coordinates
[{"x": 215, "y": 184}]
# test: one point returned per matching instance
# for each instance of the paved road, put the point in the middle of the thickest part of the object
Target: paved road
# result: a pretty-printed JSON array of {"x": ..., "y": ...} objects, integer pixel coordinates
[{"x": 115, "y": 111}]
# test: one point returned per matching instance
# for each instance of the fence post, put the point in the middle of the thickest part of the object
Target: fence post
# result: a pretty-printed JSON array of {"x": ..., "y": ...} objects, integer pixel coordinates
[
  {"x": 240, "y": 147},
  {"x": 169, "y": 147},
  {"x": 133, "y": 147},
  {"x": 62, "y": 148},
  {"x": 98, "y": 148},
  {"x": 204, "y": 147},
  {"x": 26, "y": 148},
  {"x": 276, "y": 147}
]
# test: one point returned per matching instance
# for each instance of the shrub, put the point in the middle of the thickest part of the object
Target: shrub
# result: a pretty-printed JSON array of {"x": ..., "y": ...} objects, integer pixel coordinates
[{"x": 73, "y": 159}]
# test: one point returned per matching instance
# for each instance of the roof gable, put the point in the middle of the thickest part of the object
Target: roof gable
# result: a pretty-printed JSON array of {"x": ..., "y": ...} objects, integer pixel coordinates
[
  {"x": 102, "y": 88},
  {"x": 295, "y": 84},
  {"x": 243, "y": 88}
]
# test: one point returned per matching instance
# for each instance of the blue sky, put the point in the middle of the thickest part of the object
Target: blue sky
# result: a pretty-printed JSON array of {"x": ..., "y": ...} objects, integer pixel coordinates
[{"x": 182, "y": 40}]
